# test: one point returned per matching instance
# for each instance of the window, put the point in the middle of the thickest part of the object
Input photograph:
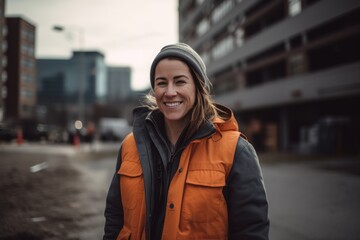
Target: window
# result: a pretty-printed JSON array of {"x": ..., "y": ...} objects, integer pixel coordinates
[
  {"x": 26, "y": 108},
  {"x": 4, "y": 92},
  {"x": 205, "y": 57},
  {"x": 223, "y": 47},
  {"x": 4, "y": 31},
  {"x": 202, "y": 27},
  {"x": 239, "y": 37},
  {"x": 27, "y": 63},
  {"x": 294, "y": 7},
  {"x": 26, "y": 93},
  {"x": 28, "y": 35},
  {"x": 221, "y": 10},
  {"x": 4, "y": 61},
  {"x": 296, "y": 64},
  {"x": 26, "y": 78},
  {"x": 4, "y": 76}
]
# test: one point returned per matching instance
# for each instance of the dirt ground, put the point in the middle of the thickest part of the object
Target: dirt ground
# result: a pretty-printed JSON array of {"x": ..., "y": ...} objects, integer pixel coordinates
[{"x": 46, "y": 196}]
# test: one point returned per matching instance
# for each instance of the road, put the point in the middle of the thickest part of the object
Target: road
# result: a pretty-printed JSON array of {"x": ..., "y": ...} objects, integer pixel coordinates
[
  {"x": 314, "y": 200},
  {"x": 97, "y": 175},
  {"x": 54, "y": 192},
  {"x": 59, "y": 193}
]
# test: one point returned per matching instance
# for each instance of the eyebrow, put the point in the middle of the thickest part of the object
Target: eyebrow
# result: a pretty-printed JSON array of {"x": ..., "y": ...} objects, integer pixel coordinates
[
  {"x": 160, "y": 78},
  {"x": 176, "y": 77},
  {"x": 180, "y": 76}
]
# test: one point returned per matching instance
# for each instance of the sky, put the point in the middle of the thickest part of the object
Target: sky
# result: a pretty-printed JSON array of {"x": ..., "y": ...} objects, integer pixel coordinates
[{"x": 128, "y": 33}]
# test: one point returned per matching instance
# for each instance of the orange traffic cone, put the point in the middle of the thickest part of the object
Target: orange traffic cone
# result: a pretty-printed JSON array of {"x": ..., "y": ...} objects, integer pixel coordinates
[
  {"x": 19, "y": 137},
  {"x": 76, "y": 140}
]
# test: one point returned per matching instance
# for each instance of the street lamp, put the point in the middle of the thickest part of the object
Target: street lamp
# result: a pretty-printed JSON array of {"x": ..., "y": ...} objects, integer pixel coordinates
[{"x": 80, "y": 71}]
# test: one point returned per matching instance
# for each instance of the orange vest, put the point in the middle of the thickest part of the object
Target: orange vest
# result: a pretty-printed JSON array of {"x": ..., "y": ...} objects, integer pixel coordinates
[{"x": 196, "y": 207}]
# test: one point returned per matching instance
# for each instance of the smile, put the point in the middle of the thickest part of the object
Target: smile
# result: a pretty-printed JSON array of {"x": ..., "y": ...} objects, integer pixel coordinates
[{"x": 172, "y": 104}]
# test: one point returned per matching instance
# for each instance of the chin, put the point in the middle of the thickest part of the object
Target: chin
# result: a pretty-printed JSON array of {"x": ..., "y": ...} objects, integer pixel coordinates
[{"x": 174, "y": 118}]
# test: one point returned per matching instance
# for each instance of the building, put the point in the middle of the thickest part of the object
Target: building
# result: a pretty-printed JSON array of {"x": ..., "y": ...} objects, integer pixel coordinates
[
  {"x": 20, "y": 100},
  {"x": 57, "y": 99},
  {"x": 3, "y": 60},
  {"x": 68, "y": 88},
  {"x": 289, "y": 69},
  {"x": 119, "y": 85},
  {"x": 95, "y": 73}
]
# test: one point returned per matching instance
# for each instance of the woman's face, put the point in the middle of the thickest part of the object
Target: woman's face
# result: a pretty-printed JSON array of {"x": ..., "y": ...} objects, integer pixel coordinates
[{"x": 174, "y": 89}]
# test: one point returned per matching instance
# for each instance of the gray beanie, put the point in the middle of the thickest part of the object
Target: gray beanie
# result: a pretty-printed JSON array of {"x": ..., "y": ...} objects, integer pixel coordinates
[{"x": 185, "y": 53}]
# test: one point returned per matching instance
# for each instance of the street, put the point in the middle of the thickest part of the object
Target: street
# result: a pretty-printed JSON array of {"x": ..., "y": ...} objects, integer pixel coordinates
[
  {"x": 59, "y": 193},
  {"x": 54, "y": 192},
  {"x": 314, "y": 200}
]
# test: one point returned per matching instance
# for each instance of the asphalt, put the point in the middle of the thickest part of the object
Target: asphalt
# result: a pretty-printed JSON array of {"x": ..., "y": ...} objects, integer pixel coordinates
[
  {"x": 310, "y": 196},
  {"x": 96, "y": 149}
]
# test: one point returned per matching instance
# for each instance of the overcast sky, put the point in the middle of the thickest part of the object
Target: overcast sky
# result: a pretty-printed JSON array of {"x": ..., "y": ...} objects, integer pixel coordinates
[{"x": 128, "y": 32}]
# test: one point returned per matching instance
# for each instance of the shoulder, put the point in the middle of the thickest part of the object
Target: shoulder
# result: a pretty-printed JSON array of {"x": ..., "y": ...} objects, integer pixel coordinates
[
  {"x": 244, "y": 146},
  {"x": 235, "y": 138},
  {"x": 129, "y": 139},
  {"x": 246, "y": 159},
  {"x": 128, "y": 147}
]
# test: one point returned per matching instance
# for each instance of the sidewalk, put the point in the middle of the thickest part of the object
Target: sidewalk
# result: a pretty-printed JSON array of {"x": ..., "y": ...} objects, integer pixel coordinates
[
  {"x": 292, "y": 157},
  {"x": 341, "y": 164},
  {"x": 98, "y": 147},
  {"x": 53, "y": 191},
  {"x": 84, "y": 149}
]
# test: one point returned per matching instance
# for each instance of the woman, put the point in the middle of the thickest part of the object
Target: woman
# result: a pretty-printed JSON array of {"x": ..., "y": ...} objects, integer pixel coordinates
[{"x": 185, "y": 172}]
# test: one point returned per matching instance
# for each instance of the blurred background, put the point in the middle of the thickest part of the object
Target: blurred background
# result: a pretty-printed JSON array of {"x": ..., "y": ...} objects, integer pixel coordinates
[
  {"x": 289, "y": 69},
  {"x": 72, "y": 71}
]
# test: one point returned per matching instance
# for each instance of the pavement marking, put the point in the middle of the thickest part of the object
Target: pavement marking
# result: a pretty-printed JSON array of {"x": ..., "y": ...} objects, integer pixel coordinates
[{"x": 39, "y": 167}]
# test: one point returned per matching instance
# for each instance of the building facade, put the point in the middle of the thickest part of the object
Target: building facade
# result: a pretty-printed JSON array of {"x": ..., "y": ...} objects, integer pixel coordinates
[
  {"x": 3, "y": 60},
  {"x": 70, "y": 87},
  {"x": 20, "y": 100},
  {"x": 119, "y": 85},
  {"x": 289, "y": 69}
]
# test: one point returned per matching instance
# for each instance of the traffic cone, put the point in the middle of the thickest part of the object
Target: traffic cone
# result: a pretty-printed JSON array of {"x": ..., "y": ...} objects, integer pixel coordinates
[
  {"x": 76, "y": 140},
  {"x": 19, "y": 137}
]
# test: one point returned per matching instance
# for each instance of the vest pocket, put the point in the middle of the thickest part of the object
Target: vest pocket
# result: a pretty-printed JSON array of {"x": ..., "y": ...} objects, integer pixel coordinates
[
  {"x": 131, "y": 184},
  {"x": 203, "y": 197}
]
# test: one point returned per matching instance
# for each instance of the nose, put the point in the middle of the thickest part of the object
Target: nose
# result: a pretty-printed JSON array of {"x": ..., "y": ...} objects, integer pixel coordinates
[{"x": 170, "y": 90}]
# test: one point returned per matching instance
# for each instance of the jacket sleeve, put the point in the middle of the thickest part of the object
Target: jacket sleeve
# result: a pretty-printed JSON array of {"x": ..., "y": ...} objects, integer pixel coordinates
[
  {"x": 246, "y": 197},
  {"x": 114, "y": 218}
]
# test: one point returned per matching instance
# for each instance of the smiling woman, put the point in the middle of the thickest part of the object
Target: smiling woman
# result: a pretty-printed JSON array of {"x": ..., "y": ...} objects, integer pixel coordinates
[
  {"x": 175, "y": 95},
  {"x": 185, "y": 172}
]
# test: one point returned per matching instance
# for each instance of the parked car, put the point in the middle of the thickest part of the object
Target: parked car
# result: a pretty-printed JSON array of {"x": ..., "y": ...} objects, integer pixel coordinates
[
  {"x": 35, "y": 132},
  {"x": 113, "y": 129},
  {"x": 7, "y": 134}
]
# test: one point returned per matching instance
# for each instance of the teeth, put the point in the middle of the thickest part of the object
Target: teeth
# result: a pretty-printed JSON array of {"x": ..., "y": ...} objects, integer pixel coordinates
[{"x": 173, "y": 104}]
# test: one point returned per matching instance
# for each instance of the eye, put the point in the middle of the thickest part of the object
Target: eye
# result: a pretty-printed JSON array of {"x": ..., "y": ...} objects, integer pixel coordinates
[
  {"x": 160, "y": 83},
  {"x": 180, "y": 82}
]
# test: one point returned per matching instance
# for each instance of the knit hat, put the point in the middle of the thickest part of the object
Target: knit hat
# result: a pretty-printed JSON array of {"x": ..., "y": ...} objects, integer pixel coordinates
[{"x": 185, "y": 53}]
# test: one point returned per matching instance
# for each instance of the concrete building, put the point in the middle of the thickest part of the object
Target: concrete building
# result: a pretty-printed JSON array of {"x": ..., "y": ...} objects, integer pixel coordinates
[
  {"x": 20, "y": 100},
  {"x": 119, "y": 85},
  {"x": 71, "y": 87},
  {"x": 289, "y": 69},
  {"x": 3, "y": 60}
]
